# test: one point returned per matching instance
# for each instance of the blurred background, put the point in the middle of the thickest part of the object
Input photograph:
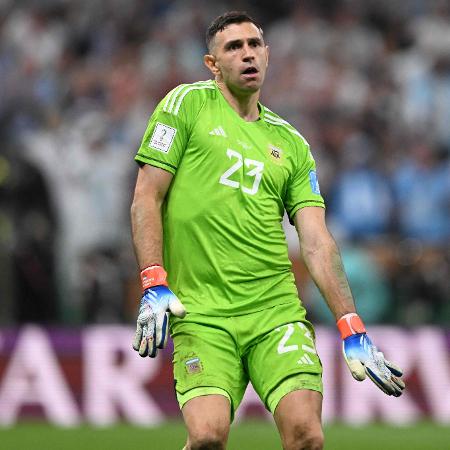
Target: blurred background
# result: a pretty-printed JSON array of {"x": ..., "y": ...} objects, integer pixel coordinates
[{"x": 366, "y": 82}]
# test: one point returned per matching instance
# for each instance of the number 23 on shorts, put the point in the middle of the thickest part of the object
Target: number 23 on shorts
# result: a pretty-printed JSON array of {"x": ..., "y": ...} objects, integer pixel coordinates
[{"x": 303, "y": 347}]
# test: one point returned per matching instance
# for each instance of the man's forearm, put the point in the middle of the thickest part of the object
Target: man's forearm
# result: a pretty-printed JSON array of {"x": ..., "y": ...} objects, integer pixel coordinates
[
  {"x": 147, "y": 231},
  {"x": 325, "y": 266}
]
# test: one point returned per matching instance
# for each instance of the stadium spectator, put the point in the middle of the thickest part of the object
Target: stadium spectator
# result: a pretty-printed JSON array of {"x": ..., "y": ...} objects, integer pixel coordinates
[
  {"x": 422, "y": 188},
  {"x": 361, "y": 199},
  {"x": 28, "y": 226}
]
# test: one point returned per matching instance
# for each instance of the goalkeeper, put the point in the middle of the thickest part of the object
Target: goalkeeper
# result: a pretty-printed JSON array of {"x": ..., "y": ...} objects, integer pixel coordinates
[{"x": 217, "y": 172}]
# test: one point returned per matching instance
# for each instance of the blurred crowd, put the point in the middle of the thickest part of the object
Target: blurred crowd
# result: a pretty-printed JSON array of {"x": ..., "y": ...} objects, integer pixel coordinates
[{"x": 366, "y": 82}]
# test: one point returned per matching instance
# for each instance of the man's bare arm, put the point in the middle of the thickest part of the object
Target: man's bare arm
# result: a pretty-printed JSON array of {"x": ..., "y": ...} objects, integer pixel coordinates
[
  {"x": 322, "y": 258},
  {"x": 151, "y": 188},
  {"x": 157, "y": 299},
  {"x": 323, "y": 261}
]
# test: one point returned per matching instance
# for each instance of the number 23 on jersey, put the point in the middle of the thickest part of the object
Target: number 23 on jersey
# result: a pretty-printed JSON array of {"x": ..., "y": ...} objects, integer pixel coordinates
[{"x": 254, "y": 172}]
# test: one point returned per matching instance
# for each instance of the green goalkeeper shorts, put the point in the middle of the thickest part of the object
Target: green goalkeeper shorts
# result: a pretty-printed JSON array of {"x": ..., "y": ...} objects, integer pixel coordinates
[{"x": 273, "y": 348}]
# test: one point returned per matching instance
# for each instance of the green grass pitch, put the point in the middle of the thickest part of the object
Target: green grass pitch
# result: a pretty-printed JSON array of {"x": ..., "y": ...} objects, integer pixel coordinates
[{"x": 256, "y": 435}]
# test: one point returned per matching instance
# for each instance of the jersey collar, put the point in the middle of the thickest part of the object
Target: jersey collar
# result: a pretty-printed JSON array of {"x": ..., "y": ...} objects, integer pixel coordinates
[{"x": 261, "y": 108}]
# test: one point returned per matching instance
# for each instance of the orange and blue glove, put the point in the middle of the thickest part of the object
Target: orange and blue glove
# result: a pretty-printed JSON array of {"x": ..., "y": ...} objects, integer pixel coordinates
[
  {"x": 156, "y": 304},
  {"x": 363, "y": 358}
]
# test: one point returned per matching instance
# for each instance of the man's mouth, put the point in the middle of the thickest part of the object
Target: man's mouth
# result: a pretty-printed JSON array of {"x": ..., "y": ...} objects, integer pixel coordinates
[{"x": 250, "y": 71}]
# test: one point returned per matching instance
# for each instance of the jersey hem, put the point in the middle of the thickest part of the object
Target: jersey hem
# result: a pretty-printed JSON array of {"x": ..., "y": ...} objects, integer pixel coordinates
[
  {"x": 230, "y": 312},
  {"x": 154, "y": 162},
  {"x": 304, "y": 204}
]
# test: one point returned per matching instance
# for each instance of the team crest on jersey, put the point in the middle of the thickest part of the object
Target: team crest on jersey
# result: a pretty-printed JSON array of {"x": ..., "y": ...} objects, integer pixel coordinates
[
  {"x": 276, "y": 154},
  {"x": 193, "y": 364}
]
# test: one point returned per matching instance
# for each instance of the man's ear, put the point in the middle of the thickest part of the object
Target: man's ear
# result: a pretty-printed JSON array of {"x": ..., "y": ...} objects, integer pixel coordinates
[
  {"x": 267, "y": 55},
  {"x": 210, "y": 63}
]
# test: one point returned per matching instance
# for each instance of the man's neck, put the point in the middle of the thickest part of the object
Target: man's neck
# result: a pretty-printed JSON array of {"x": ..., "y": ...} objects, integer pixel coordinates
[{"x": 245, "y": 105}]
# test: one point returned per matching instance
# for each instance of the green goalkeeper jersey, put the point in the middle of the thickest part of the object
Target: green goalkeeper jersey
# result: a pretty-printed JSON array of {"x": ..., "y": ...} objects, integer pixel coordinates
[{"x": 225, "y": 249}]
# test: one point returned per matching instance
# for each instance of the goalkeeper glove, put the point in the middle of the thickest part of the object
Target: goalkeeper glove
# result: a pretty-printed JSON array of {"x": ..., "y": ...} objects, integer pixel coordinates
[
  {"x": 362, "y": 357},
  {"x": 152, "y": 322}
]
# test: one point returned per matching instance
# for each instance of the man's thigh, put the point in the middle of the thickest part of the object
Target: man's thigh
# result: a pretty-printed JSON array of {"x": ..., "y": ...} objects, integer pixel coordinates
[
  {"x": 284, "y": 359},
  {"x": 206, "y": 360},
  {"x": 207, "y": 418},
  {"x": 299, "y": 417}
]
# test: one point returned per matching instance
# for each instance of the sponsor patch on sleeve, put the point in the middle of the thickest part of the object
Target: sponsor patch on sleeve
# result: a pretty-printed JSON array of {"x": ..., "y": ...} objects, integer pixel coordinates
[
  {"x": 162, "y": 137},
  {"x": 314, "y": 182}
]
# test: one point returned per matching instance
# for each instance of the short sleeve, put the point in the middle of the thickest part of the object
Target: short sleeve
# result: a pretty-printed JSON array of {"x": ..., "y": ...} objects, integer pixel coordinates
[
  {"x": 168, "y": 130},
  {"x": 303, "y": 189}
]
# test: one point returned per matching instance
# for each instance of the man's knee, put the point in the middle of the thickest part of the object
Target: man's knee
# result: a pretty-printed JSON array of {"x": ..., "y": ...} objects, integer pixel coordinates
[
  {"x": 304, "y": 438},
  {"x": 207, "y": 444},
  {"x": 208, "y": 437},
  {"x": 208, "y": 440}
]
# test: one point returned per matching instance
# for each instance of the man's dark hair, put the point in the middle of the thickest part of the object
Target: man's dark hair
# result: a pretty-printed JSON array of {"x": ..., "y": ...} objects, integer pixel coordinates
[{"x": 221, "y": 22}]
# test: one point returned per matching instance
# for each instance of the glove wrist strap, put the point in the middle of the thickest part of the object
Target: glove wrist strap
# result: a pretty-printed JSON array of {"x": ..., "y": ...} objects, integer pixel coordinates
[
  {"x": 153, "y": 276},
  {"x": 350, "y": 324}
]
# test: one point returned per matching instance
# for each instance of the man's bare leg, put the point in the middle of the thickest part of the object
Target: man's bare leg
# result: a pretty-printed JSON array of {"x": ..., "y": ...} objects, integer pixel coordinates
[
  {"x": 298, "y": 418},
  {"x": 207, "y": 419}
]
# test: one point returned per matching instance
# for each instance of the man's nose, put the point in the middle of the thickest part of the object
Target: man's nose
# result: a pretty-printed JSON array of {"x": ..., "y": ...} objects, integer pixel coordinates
[{"x": 248, "y": 53}]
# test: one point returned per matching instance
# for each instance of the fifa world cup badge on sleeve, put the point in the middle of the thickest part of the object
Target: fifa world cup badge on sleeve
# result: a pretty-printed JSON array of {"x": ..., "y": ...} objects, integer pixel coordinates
[{"x": 162, "y": 137}]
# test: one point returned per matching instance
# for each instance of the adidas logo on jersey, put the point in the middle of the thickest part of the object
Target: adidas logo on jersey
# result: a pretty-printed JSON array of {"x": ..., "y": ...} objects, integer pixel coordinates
[
  {"x": 306, "y": 360},
  {"x": 219, "y": 131}
]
